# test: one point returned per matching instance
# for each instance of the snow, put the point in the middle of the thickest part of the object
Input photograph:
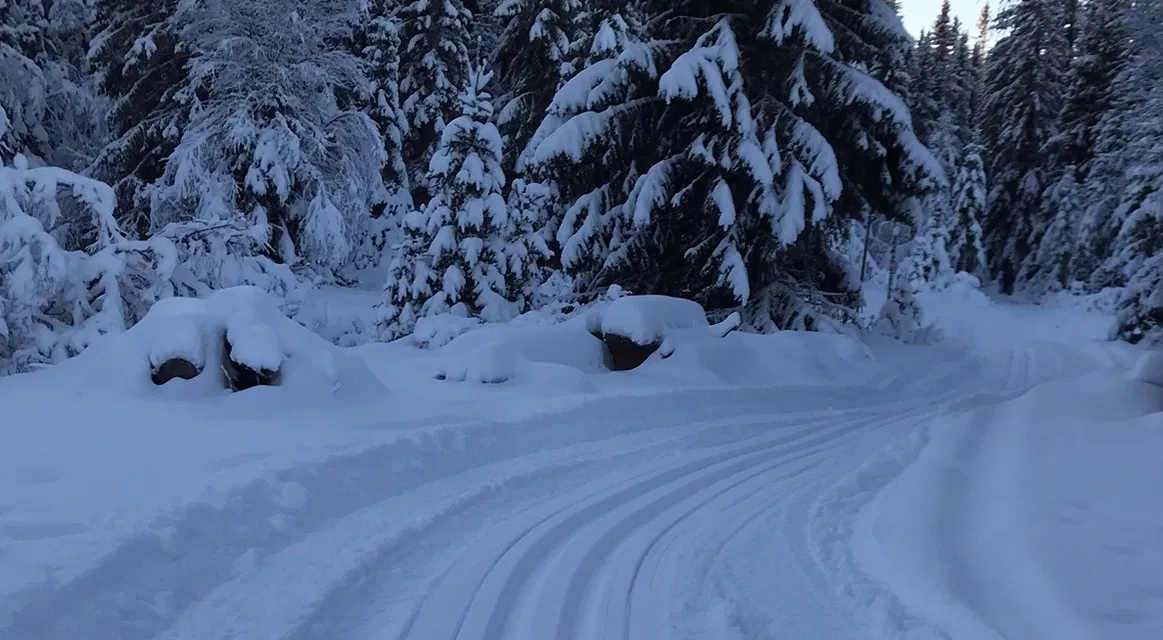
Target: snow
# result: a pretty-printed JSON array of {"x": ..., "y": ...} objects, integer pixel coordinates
[
  {"x": 193, "y": 329},
  {"x": 501, "y": 482},
  {"x": 1032, "y": 518},
  {"x": 646, "y": 319}
]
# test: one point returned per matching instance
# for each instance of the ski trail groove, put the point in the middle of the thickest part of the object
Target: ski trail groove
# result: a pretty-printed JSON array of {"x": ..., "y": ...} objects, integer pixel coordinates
[{"x": 518, "y": 548}]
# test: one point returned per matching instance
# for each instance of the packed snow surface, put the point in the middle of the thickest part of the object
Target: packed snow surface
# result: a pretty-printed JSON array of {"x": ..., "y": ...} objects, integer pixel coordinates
[{"x": 1000, "y": 484}]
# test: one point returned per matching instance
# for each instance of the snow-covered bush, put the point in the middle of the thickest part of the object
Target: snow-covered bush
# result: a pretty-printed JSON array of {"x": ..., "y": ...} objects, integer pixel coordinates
[
  {"x": 219, "y": 253},
  {"x": 433, "y": 332},
  {"x": 54, "y": 301},
  {"x": 902, "y": 318}
]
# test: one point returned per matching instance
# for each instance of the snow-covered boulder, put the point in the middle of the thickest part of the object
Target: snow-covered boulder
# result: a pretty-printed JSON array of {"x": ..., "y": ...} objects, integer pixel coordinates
[
  {"x": 236, "y": 338},
  {"x": 633, "y": 328}
]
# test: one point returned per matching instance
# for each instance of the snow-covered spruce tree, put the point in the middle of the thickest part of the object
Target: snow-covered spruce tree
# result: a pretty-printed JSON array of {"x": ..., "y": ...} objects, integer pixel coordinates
[
  {"x": 141, "y": 67},
  {"x": 1069, "y": 156},
  {"x": 703, "y": 159},
  {"x": 966, "y": 247},
  {"x": 944, "y": 94},
  {"x": 376, "y": 41},
  {"x": 455, "y": 258},
  {"x": 1049, "y": 266},
  {"x": 886, "y": 171},
  {"x": 1116, "y": 135},
  {"x": 23, "y": 92},
  {"x": 539, "y": 49},
  {"x": 1139, "y": 261},
  {"x": 1137, "y": 249},
  {"x": 929, "y": 261},
  {"x": 901, "y": 317},
  {"x": 527, "y": 251},
  {"x": 433, "y": 70},
  {"x": 589, "y": 225},
  {"x": 55, "y": 301},
  {"x": 55, "y": 35},
  {"x": 268, "y": 148},
  {"x": 924, "y": 99},
  {"x": 1024, "y": 88}
]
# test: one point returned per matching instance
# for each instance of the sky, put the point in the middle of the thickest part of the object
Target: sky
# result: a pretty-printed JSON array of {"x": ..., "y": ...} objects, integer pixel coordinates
[{"x": 920, "y": 14}]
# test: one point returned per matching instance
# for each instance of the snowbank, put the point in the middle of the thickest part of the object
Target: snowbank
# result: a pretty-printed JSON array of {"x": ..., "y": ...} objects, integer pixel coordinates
[
  {"x": 247, "y": 319},
  {"x": 702, "y": 358},
  {"x": 564, "y": 359},
  {"x": 1039, "y": 514},
  {"x": 1149, "y": 368}
]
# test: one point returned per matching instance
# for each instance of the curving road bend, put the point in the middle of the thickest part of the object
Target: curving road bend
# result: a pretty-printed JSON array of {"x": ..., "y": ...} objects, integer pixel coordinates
[{"x": 717, "y": 514}]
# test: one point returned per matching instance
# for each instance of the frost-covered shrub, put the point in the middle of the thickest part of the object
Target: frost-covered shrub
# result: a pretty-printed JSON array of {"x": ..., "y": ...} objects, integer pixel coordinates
[
  {"x": 53, "y": 300},
  {"x": 218, "y": 254},
  {"x": 901, "y": 318}
]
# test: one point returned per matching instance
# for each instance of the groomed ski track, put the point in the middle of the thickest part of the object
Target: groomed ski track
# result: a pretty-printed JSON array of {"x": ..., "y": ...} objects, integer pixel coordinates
[{"x": 718, "y": 514}]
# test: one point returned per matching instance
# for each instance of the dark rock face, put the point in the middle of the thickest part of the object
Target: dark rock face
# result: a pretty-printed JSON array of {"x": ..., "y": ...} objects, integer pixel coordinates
[
  {"x": 241, "y": 377},
  {"x": 623, "y": 354},
  {"x": 174, "y": 368}
]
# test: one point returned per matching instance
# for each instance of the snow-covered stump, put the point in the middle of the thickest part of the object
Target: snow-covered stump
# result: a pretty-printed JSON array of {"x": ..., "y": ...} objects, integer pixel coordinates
[
  {"x": 236, "y": 339},
  {"x": 177, "y": 340},
  {"x": 633, "y": 328},
  {"x": 251, "y": 355}
]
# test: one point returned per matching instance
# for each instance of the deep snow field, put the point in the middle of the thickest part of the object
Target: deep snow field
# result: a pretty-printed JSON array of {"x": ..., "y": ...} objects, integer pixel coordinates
[{"x": 1002, "y": 483}]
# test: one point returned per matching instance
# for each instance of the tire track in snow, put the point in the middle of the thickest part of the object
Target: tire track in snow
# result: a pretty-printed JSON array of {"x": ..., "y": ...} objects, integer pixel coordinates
[{"x": 774, "y": 484}]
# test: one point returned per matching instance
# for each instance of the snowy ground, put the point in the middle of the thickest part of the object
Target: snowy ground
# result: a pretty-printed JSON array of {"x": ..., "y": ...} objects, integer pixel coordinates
[{"x": 1003, "y": 484}]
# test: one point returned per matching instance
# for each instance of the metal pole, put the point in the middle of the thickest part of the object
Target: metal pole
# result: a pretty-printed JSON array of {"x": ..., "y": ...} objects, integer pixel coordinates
[
  {"x": 867, "y": 242},
  {"x": 892, "y": 261}
]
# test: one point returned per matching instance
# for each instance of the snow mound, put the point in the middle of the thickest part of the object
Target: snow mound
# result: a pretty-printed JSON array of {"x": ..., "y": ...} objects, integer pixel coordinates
[
  {"x": 528, "y": 352},
  {"x": 434, "y": 332},
  {"x": 707, "y": 357},
  {"x": 197, "y": 330},
  {"x": 1149, "y": 368},
  {"x": 647, "y": 319}
]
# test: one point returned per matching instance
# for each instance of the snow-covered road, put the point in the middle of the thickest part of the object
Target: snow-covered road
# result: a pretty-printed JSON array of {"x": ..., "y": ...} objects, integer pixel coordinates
[{"x": 694, "y": 514}]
